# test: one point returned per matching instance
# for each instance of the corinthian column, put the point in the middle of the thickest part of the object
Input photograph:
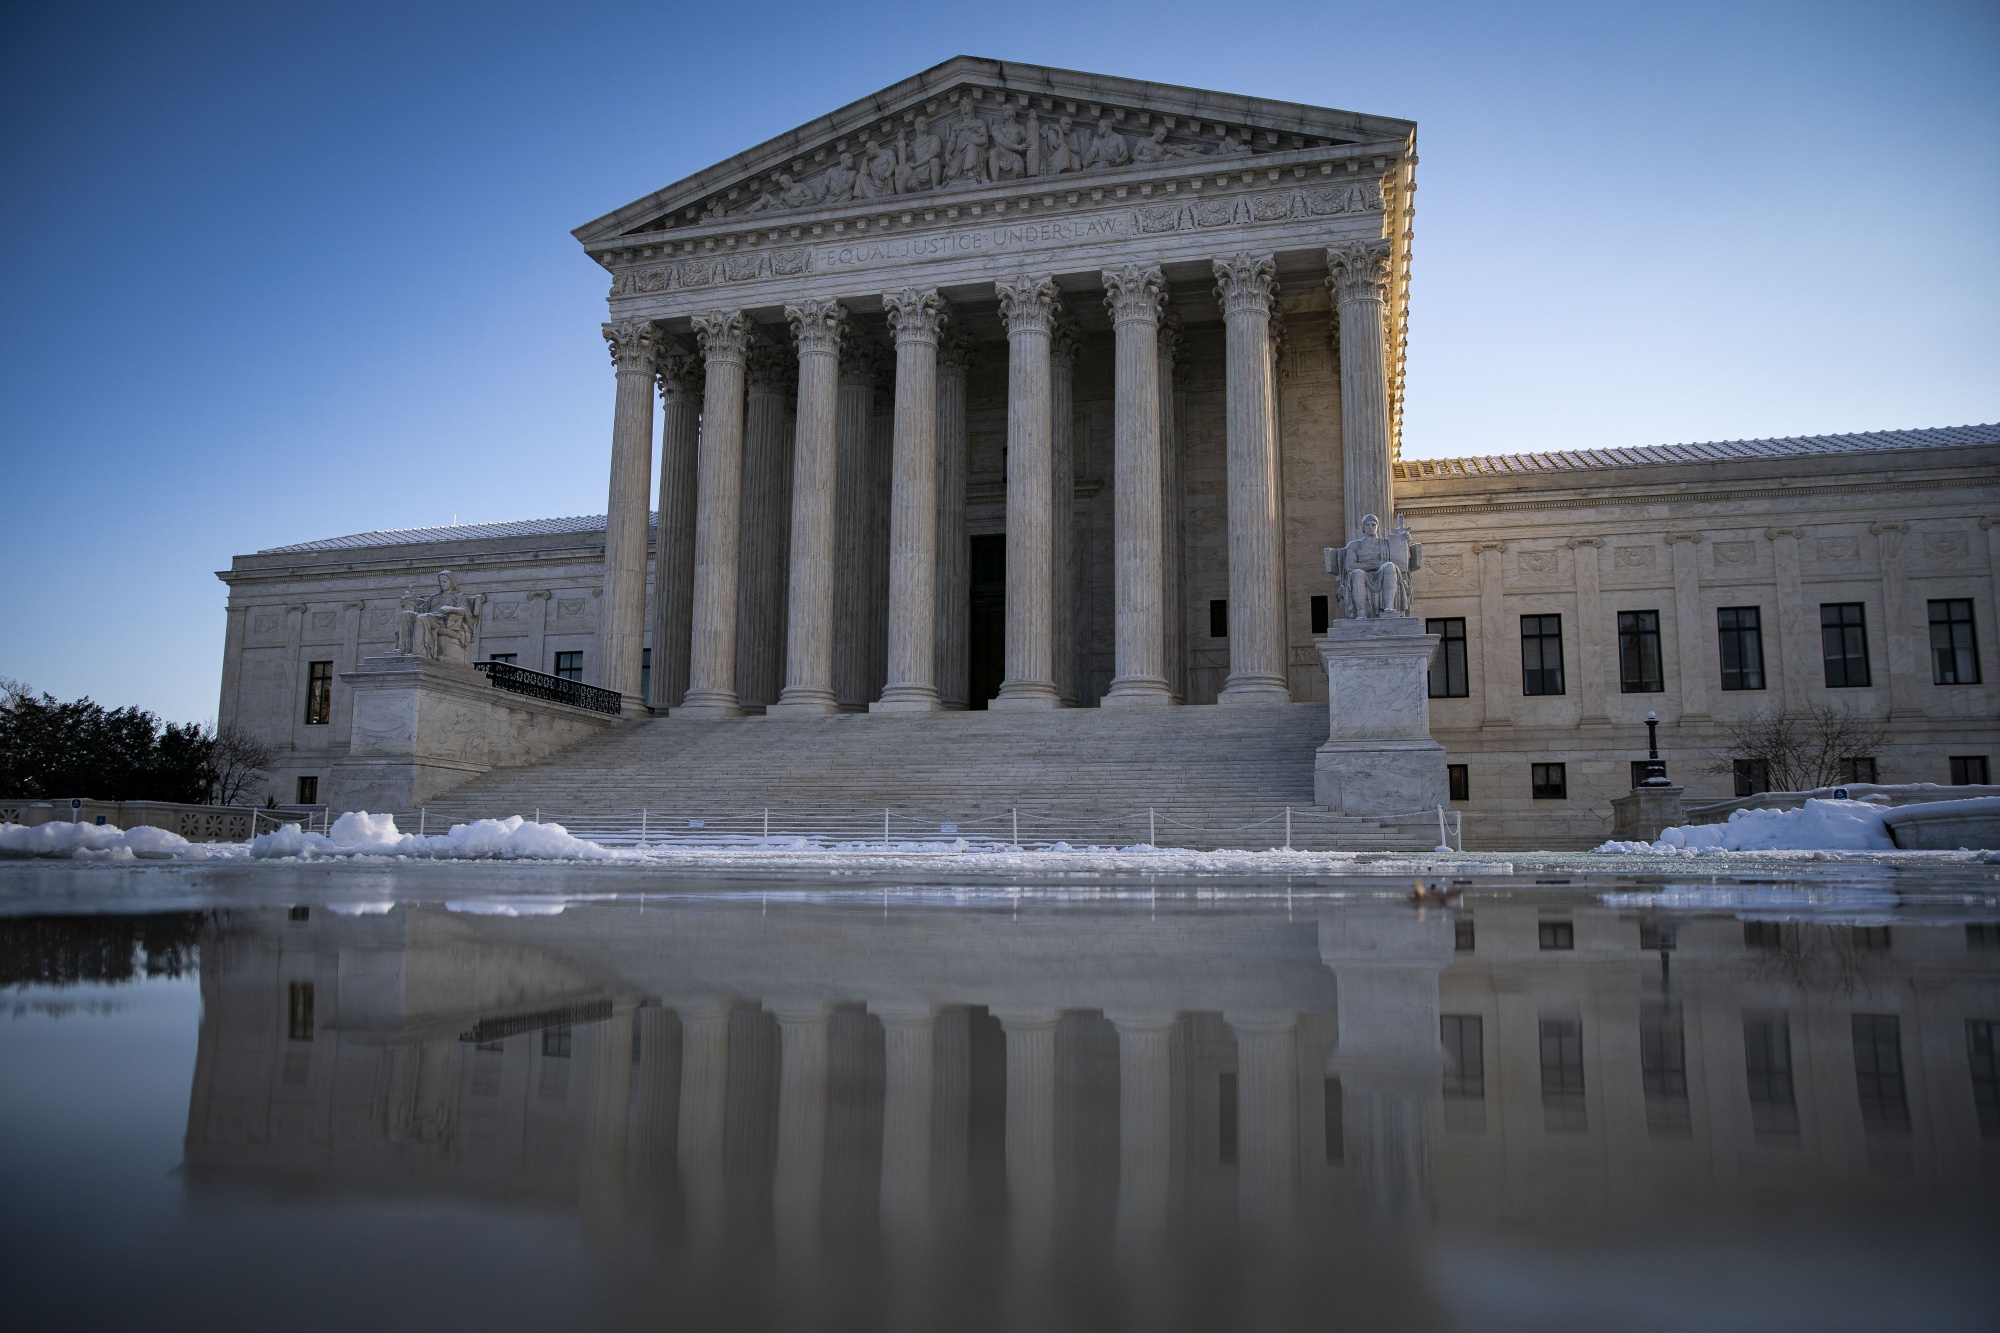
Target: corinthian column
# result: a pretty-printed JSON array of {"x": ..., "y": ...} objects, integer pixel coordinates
[
  {"x": 1173, "y": 615},
  {"x": 1065, "y": 339},
  {"x": 1134, "y": 296},
  {"x": 725, "y": 341},
  {"x": 673, "y": 557},
  {"x": 808, "y": 690},
  {"x": 762, "y": 541},
  {"x": 954, "y": 591},
  {"x": 621, "y": 626},
  {"x": 1245, "y": 284},
  {"x": 860, "y": 365},
  {"x": 1358, "y": 273},
  {"x": 917, "y": 318},
  {"x": 1028, "y": 306}
]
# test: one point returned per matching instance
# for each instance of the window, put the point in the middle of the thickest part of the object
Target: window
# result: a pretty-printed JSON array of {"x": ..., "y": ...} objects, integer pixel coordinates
[
  {"x": 1763, "y": 935},
  {"x": 1878, "y": 1074},
  {"x": 1968, "y": 770},
  {"x": 1859, "y": 769},
  {"x": 1556, "y": 934},
  {"x": 569, "y": 665},
  {"x": 308, "y": 791},
  {"x": 299, "y": 912},
  {"x": 1218, "y": 618},
  {"x": 1463, "y": 937},
  {"x": 1464, "y": 1055},
  {"x": 1336, "y": 1121},
  {"x": 1954, "y": 655},
  {"x": 319, "y": 693},
  {"x": 1740, "y": 631},
  {"x": 1541, "y": 654},
  {"x": 556, "y": 1042},
  {"x": 1663, "y": 1069},
  {"x": 1562, "y": 1076},
  {"x": 1319, "y": 615},
  {"x": 1767, "y": 1067},
  {"x": 1979, "y": 1034},
  {"x": 1638, "y": 653},
  {"x": 1448, "y": 678},
  {"x": 1752, "y": 776},
  {"x": 1550, "y": 781},
  {"x": 1982, "y": 935},
  {"x": 645, "y": 672},
  {"x": 1225, "y": 1118},
  {"x": 509, "y": 658},
  {"x": 1869, "y": 937},
  {"x": 299, "y": 1011},
  {"x": 1458, "y": 781},
  {"x": 1843, "y": 638}
]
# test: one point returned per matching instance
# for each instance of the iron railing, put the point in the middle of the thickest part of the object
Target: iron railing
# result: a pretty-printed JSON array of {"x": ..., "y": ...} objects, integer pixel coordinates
[{"x": 541, "y": 685}]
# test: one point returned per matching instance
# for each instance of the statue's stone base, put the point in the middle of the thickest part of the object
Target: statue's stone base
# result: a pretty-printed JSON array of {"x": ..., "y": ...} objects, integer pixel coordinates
[
  {"x": 1641, "y": 814},
  {"x": 423, "y": 727},
  {"x": 1379, "y": 757}
]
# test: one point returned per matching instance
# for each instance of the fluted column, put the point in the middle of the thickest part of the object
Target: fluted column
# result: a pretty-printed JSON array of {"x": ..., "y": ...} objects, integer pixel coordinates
[
  {"x": 1135, "y": 295},
  {"x": 621, "y": 624},
  {"x": 704, "y": 1087},
  {"x": 1245, "y": 285},
  {"x": 816, "y": 326},
  {"x": 725, "y": 341},
  {"x": 1358, "y": 273},
  {"x": 763, "y": 540},
  {"x": 954, "y": 590},
  {"x": 680, "y": 381},
  {"x": 917, "y": 317},
  {"x": 1173, "y": 611},
  {"x": 1065, "y": 341},
  {"x": 853, "y": 595},
  {"x": 1267, "y": 1090},
  {"x": 795, "y": 1187},
  {"x": 1028, "y": 305}
]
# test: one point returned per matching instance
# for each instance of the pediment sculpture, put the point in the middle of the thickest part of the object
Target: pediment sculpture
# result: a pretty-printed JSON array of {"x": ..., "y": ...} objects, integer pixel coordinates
[
  {"x": 1372, "y": 572},
  {"x": 439, "y": 627}
]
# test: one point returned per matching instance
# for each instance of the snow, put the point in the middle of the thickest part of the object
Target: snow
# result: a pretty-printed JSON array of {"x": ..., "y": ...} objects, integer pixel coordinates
[
  {"x": 91, "y": 842},
  {"x": 1832, "y": 826},
  {"x": 359, "y": 833}
]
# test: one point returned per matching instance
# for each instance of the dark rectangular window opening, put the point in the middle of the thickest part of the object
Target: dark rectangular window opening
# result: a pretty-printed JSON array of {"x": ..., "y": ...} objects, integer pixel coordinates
[
  {"x": 645, "y": 672},
  {"x": 1979, "y": 1040},
  {"x": 1556, "y": 934},
  {"x": 1458, "y": 781},
  {"x": 1448, "y": 671},
  {"x": 1218, "y": 618},
  {"x": 299, "y": 1011},
  {"x": 1763, "y": 935},
  {"x": 1225, "y": 1118},
  {"x": 1861, "y": 768},
  {"x": 1767, "y": 1067},
  {"x": 298, "y": 913},
  {"x": 1336, "y": 1121},
  {"x": 1663, "y": 1070},
  {"x": 570, "y": 665},
  {"x": 1982, "y": 935},
  {"x": 556, "y": 1041},
  {"x": 319, "y": 693},
  {"x": 1657, "y": 935},
  {"x": 1741, "y": 634},
  {"x": 1752, "y": 776},
  {"x": 1954, "y": 653},
  {"x": 1464, "y": 1038},
  {"x": 1562, "y": 1076},
  {"x": 1968, "y": 770},
  {"x": 1550, "y": 781},
  {"x": 1463, "y": 936},
  {"x": 308, "y": 790},
  {"x": 1319, "y": 616},
  {"x": 1878, "y": 1074},
  {"x": 1843, "y": 637},
  {"x": 1541, "y": 654},
  {"x": 509, "y": 658},
  {"x": 1639, "y": 653},
  {"x": 1874, "y": 938}
]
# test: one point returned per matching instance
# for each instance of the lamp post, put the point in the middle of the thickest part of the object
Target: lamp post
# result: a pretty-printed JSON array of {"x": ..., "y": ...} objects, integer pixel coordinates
[{"x": 1656, "y": 771}]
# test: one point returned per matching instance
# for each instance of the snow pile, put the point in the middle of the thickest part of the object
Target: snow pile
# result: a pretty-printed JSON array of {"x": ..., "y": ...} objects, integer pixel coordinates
[
  {"x": 359, "y": 833},
  {"x": 91, "y": 842},
  {"x": 1832, "y": 826}
]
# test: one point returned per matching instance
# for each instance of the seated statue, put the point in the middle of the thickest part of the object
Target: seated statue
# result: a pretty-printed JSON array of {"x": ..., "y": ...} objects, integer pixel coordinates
[
  {"x": 1373, "y": 572},
  {"x": 440, "y": 627}
]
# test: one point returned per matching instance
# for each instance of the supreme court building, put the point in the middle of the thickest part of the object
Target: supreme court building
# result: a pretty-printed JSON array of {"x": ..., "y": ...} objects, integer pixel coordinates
[{"x": 1020, "y": 389}]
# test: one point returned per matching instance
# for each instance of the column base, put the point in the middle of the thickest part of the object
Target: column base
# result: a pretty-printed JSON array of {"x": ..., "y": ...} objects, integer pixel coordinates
[
  {"x": 1025, "y": 696},
  {"x": 632, "y": 705},
  {"x": 1138, "y": 692},
  {"x": 710, "y": 703},
  {"x": 907, "y": 699},
  {"x": 795, "y": 702},
  {"x": 1255, "y": 689}
]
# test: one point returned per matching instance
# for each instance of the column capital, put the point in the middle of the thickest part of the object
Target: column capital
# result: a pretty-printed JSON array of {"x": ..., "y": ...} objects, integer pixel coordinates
[
  {"x": 769, "y": 368},
  {"x": 904, "y": 1013},
  {"x": 1065, "y": 340},
  {"x": 635, "y": 344},
  {"x": 1028, "y": 303},
  {"x": 862, "y": 360},
  {"x": 678, "y": 372},
  {"x": 1358, "y": 270},
  {"x": 1772, "y": 534},
  {"x": 1172, "y": 335},
  {"x": 1141, "y": 1020},
  {"x": 916, "y": 314},
  {"x": 1027, "y": 1020},
  {"x": 1135, "y": 292},
  {"x": 724, "y": 334},
  {"x": 1246, "y": 282},
  {"x": 955, "y": 352},
  {"x": 817, "y": 325}
]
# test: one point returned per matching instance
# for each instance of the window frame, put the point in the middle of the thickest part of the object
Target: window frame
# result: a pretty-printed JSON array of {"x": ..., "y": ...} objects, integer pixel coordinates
[
  {"x": 1853, "y": 644},
  {"x": 307, "y": 789},
  {"x": 1638, "y": 639},
  {"x": 1956, "y": 661},
  {"x": 1541, "y": 676},
  {"x": 1964, "y": 766},
  {"x": 1319, "y": 613},
  {"x": 1548, "y": 781},
  {"x": 563, "y": 669},
  {"x": 319, "y": 693},
  {"x": 1744, "y": 643},
  {"x": 1218, "y": 617},
  {"x": 1458, "y": 782},
  {"x": 1451, "y": 656}
]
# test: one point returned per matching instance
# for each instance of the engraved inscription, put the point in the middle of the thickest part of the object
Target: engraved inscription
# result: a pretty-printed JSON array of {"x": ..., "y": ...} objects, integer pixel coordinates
[{"x": 974, "y": 241}]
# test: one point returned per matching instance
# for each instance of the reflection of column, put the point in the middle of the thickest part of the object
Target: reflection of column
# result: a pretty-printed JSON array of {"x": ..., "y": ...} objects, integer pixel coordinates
[
  {"x": 1145, "y": 1126},
  {"x": 954, "y": 591},
  {"x": 1134, "y": 296},
  {"x": 917, "y": 316},
  {"x": 621, "y": 621},
  {"x": 704, "y": 1088},
  {"x": 424, "y": 1090},
  {"x": 657, "y": 1108},
  {"x": 808, "y": 692},
  {"x": 763, "y": 537},
  {"x": 1173, "y": 611},
  {"x": 1064, "y": 344},
  {"x": 725, "y": 340},
  {"x": 1028, "y": 306},
  {"x": 860, "y": 363},
  {"x": 1798, "y": 651},
  {"x": 608, "y": 1050},
  {"x": 801, "y": 1132},
  {"x": 680, "y": 380},
  {"x": 1688, "y": 634},
  {"x": 1245, "y": 284},
  {"x": 1267, "y": 1093},
  {"x": 906, "y": 1115},
  {"x": 951, "y": 1110},
  {"x": 1031, "y": 1157},
  {"x": 1590, "y": 656},
  {"x": 1358, "y": 273}
]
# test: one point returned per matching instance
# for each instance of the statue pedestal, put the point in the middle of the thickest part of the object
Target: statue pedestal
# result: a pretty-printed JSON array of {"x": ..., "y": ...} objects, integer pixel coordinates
[
  {"x": 1641, "y": 814},
  {"x": 1379, "y": 757}
]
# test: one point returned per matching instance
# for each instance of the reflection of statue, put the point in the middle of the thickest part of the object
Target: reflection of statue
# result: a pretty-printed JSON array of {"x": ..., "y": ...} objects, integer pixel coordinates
[
  {"x": 923, "y": 160},
  {"x": 1012, "y": 146},
  {"x": 1374, "y": 571},
  {"x": 439, "y": 628},
  {"x": 1108, "y": 147}
]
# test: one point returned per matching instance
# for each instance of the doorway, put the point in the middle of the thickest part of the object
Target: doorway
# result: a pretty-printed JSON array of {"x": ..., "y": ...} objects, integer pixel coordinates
[{"x": 986, "y": 653}]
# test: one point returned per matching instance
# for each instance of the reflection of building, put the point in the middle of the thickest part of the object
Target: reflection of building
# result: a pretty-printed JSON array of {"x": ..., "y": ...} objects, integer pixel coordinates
[{"x": 822, "y": 1082}]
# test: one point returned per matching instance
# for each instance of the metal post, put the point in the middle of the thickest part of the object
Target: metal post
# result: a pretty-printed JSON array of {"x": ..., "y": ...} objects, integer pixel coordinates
[
  {"x": 642, "y": 826},
  {"x": 885, "y": 830},
  {"x": 1288, "y": 847},
  {"x": 423, "y": 820},
  {"x": 767, "y": 828},
  {"x": 1152, "y": 828},
  {"x": 1016, "y": 810}
]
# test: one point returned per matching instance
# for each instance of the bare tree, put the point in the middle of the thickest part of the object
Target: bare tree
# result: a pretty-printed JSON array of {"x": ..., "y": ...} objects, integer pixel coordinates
[
  {"x": 11, "y": 689},
  {"x": 237, "y": 760},
  {"x": 1800, "y": 751}
]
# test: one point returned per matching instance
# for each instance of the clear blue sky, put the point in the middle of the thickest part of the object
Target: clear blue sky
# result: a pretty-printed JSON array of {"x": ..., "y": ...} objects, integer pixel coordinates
[{"x": 272, "y": 272}]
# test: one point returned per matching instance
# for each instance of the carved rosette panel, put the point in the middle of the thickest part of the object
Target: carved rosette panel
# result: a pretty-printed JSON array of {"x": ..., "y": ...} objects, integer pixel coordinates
[
  {"x": 634, "y": 345},
  {"x": 817, "y": 325},
  {"x": 678, "y": 372},
  {"x": 1246, "y": 282},
  {"x": 724, "y": 334},
  {"x": 916, "y": 314},
  {"x": 1028, "y": 302},
  {"x": 1358, "y": 271},
  {"x": 1135, "y": 292}
]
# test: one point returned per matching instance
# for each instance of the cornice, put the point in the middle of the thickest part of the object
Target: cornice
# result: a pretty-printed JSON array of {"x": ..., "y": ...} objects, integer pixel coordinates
[{"x": 1417, "y": 504}]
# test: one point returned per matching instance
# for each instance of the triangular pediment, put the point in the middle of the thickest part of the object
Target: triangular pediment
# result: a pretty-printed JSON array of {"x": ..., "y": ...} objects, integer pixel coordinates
[{"x": 972, "y": 124}]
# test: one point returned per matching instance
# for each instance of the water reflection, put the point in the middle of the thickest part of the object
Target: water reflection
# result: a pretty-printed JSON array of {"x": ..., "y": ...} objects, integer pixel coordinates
[{"x": 810, "y": 1114}]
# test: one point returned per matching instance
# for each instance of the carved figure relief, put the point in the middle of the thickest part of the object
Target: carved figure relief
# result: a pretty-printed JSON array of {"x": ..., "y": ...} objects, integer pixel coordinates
[{"x": 1633, "y": 557}]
